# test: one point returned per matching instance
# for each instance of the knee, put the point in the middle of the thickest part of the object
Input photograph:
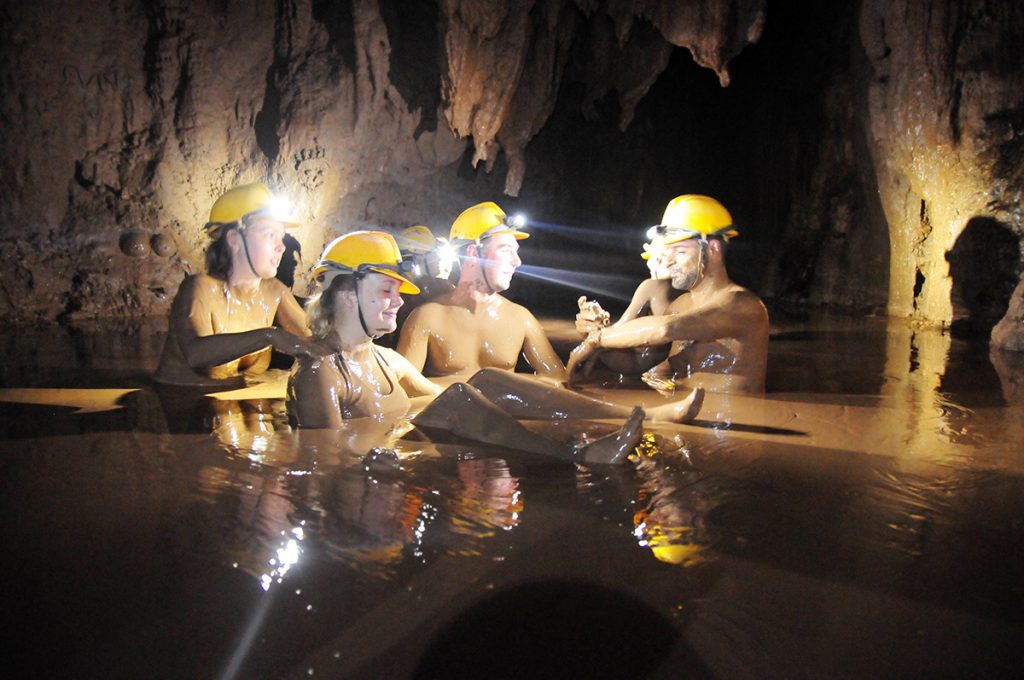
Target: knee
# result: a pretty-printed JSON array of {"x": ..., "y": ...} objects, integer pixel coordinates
[{"x": 485, "y": 376}]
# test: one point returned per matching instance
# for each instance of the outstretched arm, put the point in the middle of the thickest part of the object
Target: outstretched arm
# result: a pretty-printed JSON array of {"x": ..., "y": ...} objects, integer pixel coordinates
[
  {"x": 733, "y": 316},
  {"x": 192, "y": 328}
]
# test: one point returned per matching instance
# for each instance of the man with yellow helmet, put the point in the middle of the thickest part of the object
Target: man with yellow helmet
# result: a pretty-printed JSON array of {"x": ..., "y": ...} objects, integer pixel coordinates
[
  {"x": 222, "y": 323},
  {"x": 718, "y": 330},
  {"x": 474, "y": 326},
  {"x": 652, "y": 297}
]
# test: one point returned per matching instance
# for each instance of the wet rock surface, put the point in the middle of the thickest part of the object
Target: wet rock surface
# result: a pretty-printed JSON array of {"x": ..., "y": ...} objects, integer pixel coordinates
[{"x": 854, "y": 145}]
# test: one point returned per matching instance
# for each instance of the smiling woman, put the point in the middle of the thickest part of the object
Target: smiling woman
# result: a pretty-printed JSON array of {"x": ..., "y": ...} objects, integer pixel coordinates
[{"x": 222, "y": 323}]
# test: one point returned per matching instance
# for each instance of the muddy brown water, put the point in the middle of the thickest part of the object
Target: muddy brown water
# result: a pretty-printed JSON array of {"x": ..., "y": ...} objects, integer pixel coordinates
[{"x": 864, "y": 519}]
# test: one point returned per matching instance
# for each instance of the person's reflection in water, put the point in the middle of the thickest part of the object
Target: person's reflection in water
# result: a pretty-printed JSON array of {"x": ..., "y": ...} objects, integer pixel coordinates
[
  {"x": 372, "y": 516},
  {"x": 490, "y": 495},
  {"x": 671, "y": 520}
]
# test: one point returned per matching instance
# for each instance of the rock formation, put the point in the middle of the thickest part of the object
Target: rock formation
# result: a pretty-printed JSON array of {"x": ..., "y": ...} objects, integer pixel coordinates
[{"x": 856, "y": 158}]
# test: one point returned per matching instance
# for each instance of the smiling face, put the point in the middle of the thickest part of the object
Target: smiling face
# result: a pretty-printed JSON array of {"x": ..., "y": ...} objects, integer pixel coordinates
[
  {"x": 686, "y": 262},
  {"x": 264, "y": 238},
  {"x": 380, "y": 301},
  {"x": 499, "y": 259}
]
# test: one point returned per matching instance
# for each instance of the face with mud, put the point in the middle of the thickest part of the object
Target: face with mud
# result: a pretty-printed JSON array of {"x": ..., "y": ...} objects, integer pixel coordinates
[
  {"x": 499, "y": 260},
  {"x": 264, "y": 239},
  {"x": 686, "y": 261},
  {"x": 379, "y": 301}
]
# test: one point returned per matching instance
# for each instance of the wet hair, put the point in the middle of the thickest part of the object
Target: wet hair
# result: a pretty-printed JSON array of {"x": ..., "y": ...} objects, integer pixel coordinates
[
  {"x": 320, "y": 311},
  {"x": 218, "y": 255}
]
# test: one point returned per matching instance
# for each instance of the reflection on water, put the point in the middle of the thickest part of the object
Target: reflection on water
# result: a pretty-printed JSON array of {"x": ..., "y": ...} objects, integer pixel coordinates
[{"x": 872, "y": 501}]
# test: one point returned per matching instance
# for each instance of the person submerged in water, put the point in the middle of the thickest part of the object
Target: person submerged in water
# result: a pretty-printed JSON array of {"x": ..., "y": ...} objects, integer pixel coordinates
[
  {"x": 474, "y": 326},
  {"x": 222, "y": 322},
  {"x": 651, "y": 298},
  {"x": 718, "y": 330},
  {"x": 361, "y": 280}
]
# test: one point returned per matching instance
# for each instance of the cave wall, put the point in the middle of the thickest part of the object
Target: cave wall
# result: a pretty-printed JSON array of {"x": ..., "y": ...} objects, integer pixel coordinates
[
  {"x": 946, "y": 109},
  {"x": 853, "y": 143},
  {"x": 132, "y": 116}
]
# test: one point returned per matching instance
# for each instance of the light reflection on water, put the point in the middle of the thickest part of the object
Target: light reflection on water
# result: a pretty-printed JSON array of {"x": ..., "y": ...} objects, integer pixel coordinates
[{"x": 876, "y": 495}]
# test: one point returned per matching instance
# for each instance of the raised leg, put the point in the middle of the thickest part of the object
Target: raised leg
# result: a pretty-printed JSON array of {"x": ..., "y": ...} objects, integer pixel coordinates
[{"x": 526, "y": 397}]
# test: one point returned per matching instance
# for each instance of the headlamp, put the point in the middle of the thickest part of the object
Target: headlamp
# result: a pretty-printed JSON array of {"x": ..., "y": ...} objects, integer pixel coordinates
[
  {"x": 674, "y": 234},
  {"x": 404, "y": 268}
]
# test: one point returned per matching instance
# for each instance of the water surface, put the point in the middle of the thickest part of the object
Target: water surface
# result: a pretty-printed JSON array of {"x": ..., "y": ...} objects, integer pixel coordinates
[{"x": 865, "y": 519}]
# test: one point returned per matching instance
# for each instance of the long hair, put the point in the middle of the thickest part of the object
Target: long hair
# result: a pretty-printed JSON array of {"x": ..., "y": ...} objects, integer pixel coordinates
[
  {"x": 320, "y": 309},
  {"x": 218, "y": 255}
]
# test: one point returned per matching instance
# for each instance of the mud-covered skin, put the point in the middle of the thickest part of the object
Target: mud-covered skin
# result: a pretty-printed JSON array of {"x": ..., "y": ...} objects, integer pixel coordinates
[
  {"x": 473, "y": 326},
  {"x": 362, "y": 380},
  {"x": 217, "y": 332},
  {"x": 718, "y": 329},
  {"x": 465, "y": 411},
  {"x": 223, "y": 327},
  {"x": 359, "y": 379}
]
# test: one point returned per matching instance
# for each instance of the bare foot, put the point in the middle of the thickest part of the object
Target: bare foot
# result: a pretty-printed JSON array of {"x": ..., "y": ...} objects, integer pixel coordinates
[
  {"x": 616, "y": 447},
  {"x": 682, "y": 411}
]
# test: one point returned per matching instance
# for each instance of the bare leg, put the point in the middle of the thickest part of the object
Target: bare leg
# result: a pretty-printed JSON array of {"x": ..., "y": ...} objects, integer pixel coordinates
[
  {"x": 464, "y": 411},
  {"x": 524, "y": 397},
  {"x": 616, "y": 447}
]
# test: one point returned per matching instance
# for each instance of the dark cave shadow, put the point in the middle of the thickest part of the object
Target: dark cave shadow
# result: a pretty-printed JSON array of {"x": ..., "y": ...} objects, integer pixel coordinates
[{"x": 985, "y": 267}]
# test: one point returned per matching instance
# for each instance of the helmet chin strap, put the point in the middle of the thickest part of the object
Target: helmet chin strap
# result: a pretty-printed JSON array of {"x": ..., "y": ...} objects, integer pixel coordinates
[
  {"x": 483, "y": 269},
  {"x": 245, "y": 247},
  {"x": 359, "y": 311}
]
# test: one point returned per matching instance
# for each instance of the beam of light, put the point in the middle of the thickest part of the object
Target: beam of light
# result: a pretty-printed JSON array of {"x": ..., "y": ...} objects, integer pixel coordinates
[
  {"x": 592, "y": 234},
  {"x": 253, "y": 628},
  {"x": 609, "y": 285},
  {"x": 85, "y": 400}
]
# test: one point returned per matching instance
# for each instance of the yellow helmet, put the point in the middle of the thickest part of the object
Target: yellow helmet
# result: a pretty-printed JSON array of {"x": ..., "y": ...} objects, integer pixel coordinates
[
  {"x": 358, "y": 252},
  {"x": 656, "y": 245},
  {"x": 418, "y": 240},
  {"x": 694, "y": 216},
  {"x": 483, "y": 220},
  {"x": 238, "y": 204}
]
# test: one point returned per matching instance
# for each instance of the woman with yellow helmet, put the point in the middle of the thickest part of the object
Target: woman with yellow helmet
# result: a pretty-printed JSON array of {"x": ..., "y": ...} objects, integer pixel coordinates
[
  {"x": 362, "y": 276},
  {"x": 222, "y": 323}
]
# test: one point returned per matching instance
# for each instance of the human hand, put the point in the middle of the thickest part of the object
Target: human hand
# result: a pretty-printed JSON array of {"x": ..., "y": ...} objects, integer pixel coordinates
[
  {"x": 582, "y": 358},
  {"x": 295, "y": 346},
  {"x": 591, "y": 316}
]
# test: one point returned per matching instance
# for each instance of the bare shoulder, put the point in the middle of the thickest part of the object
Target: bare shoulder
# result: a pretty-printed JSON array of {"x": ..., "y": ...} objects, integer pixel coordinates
[
  {"x": 516, "y": 311},
  {"x": 309, "y": 371},
  {"x": 648, "y": 288},
  {"x": 393, "y": 358},
  {"x": 428, "y": 313},
  {"x": 747, "y": 302}
]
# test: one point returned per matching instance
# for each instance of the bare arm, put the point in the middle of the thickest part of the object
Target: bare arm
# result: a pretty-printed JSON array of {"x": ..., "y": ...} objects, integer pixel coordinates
[
  {"x": 413, "y": 341},
  {"x": 641, "y": 298},
  {"x": 410, "y": 378},
  {"x": 315, "y": 393},
  {"x": 539, "y": 352},
  {"x": 730, "y": 318},
  {"x": 291, "y": 316},
  {"x": 192, "y": 328},
  {"x": 733, "y": 315}
]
